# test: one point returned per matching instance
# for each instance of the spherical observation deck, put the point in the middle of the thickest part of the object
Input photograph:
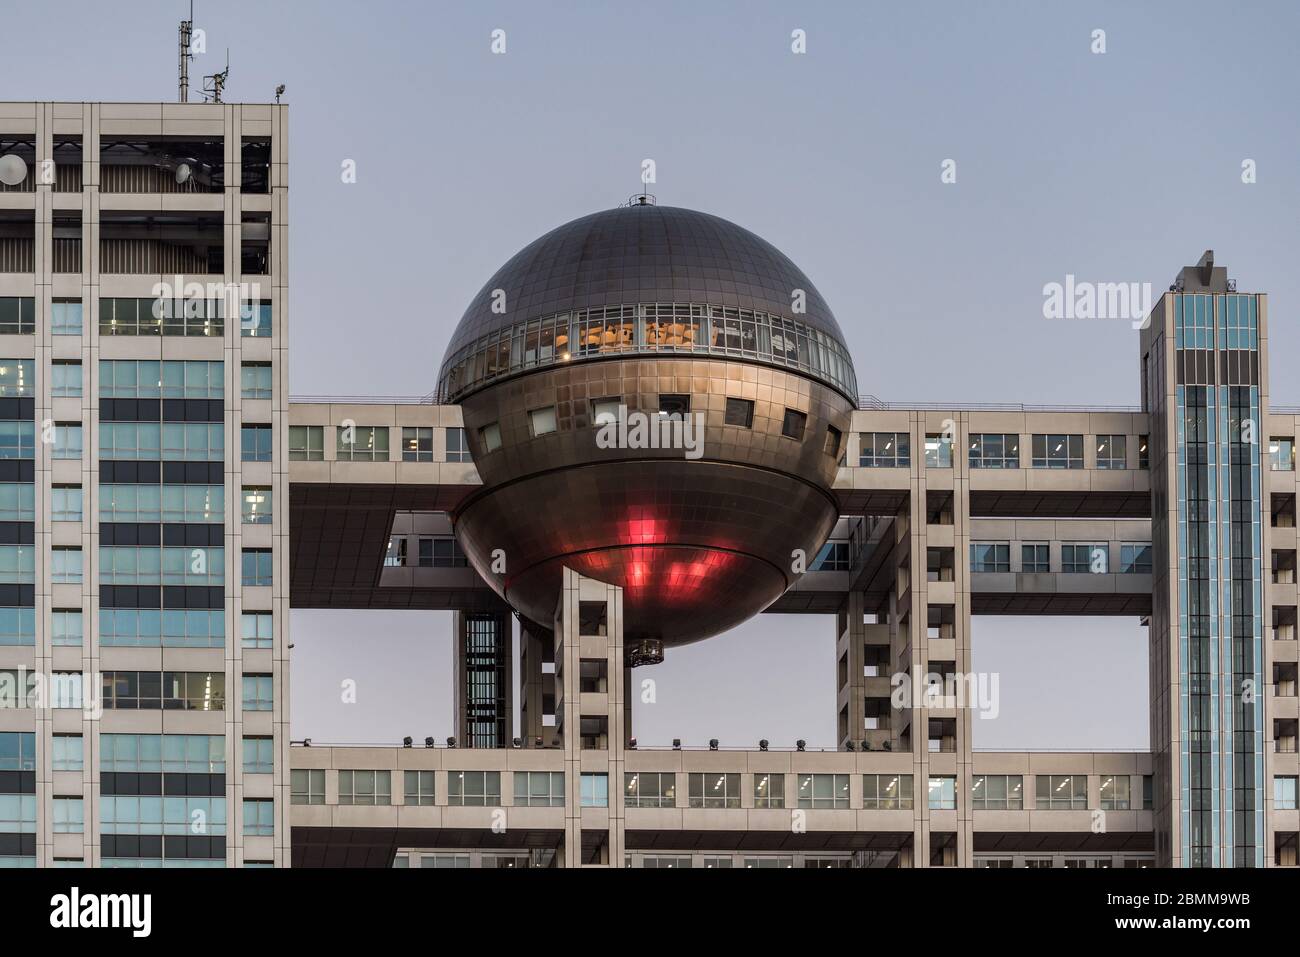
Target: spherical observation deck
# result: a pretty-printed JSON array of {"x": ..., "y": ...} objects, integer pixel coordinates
[
  {"x": 657, "y": 398},
  {"x": 645, "y": 279}
]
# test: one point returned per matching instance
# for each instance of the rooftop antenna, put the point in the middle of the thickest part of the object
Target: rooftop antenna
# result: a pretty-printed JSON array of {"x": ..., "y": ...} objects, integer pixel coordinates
[
  {"x": 216, "y": 83},
  {"x": 187, "y": 33},
  {"x": 642, "y": 199}
]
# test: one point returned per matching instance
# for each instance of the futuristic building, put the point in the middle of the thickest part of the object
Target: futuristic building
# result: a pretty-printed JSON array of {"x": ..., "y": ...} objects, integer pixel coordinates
[{"x": 177, "y": 504}]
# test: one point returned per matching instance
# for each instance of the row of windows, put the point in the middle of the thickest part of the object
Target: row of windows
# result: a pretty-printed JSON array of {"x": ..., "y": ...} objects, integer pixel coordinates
[
  {"x": 688, "y": 328},
  {"x": 370, "y": 444},
  {"x": 168, "y": 565},
  {"x": 165, "y": 754},
  {"x": 139, "y": 379},
  {"x": 1194, "y": 322},
  {"x": 138, "y": 816},
  {"x": 145, "y": 441},
  {"x": 998, "y": 451},
  {"x": 162, "y": 441},
  {"x": 18, "y": 567},
  {"x": 152, "y": 504},
  {"x": 141, "y": 627},
  {"x": 130, "y": 565},
  {"x": 739, "y": 413},
  {"x": 161, "y": 379},
  {"x": 137, "y": 503},
  {"x": 155, "y": 814},
  {"x": 464, "y": 788},
  {"x": 162, "y": 627},
  {"x": 133, "y": 565},
  {"x": 1076, "y": 557},
  {"x": 438, "y": 552},
  {"x": 656, "y": 789},
  {"x": 182, "y": 690},
  {"x": 181, "y": 317}
]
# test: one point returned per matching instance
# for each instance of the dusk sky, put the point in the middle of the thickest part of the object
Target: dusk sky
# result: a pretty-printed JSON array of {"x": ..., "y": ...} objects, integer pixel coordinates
[{"x": 1120, "y": 166}]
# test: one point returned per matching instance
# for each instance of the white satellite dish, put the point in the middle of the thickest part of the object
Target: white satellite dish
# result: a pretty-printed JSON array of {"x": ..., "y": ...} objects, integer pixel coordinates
[
  {"x": 12, "y": 169},
  {"x": 183, "y": 173}
]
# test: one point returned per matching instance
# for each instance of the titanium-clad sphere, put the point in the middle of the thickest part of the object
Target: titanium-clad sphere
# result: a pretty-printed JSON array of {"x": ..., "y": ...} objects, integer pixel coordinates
[{"x": 658, "y": 399}]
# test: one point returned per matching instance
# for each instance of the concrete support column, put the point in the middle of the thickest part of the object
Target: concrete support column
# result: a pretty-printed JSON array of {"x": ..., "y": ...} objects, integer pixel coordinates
[
  {"x": 910, "y": 659},
  {"x": 850, "y": 671},
  {"x": 591, "y": 701},
  {"x": 484, "y": 679},
  {"x": 965, "y": 708},
  {"x": 536, "y": 686}
]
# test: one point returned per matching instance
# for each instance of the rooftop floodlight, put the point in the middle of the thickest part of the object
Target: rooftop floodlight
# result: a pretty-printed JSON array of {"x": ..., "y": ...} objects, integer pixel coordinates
[
  {"x": 677, "y": 744},
  {"x": 631, "y": 743},
  {"x": 428, "y": 741},
  {"x": 306, "y": 742},
  {"x": 518, "y": 742},
  {"x": 406, "y": 741},
  {"x": 451, "y": 742},
  {"x": 537, "y": 741},
  {"x": 762, "y": 744},
  {"x": 801, "y": 744},
  {"x": 713, "y": 744}
]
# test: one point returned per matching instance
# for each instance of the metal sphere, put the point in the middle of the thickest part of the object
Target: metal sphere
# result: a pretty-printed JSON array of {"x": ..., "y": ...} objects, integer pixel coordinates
[{"x": 658, "y": 399}]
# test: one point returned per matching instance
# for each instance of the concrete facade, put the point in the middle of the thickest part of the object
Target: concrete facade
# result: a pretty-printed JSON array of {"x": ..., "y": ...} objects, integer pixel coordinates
[{"x": 99, "y": 227}]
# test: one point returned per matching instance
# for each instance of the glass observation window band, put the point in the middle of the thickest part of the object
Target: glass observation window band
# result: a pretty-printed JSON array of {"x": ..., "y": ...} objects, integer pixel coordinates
[{"x": 648, "y": 328}]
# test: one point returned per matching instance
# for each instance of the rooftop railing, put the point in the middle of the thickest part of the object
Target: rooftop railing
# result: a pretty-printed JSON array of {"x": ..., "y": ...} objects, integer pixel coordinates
[
  {"x": 440, "y": 744},
  {"x": 431, "y": 398},
  {"x": 872, "y": 403}
]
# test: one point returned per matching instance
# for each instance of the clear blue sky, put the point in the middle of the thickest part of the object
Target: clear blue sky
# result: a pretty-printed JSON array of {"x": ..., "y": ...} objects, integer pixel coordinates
[{"x": 1115, "y": 167}]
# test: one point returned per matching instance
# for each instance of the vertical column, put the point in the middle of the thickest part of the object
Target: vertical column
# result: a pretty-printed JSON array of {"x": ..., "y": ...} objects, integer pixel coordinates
[
  {"x": 90, "y": 293},
  {"x": 966, "y": 678},
  {"x": 279, "y": 276},
  {"x": 43, "y": 282},
  {"x": 236, "y": 664},
  {"x": 932, "y": 618},
  {"x": 1202, "y": 356},
  {"x": 533, "y": 646},
  {"x": 914, "y": 607},
  {"x": 484, "y": 679},
  {"x": 591, "y": 703},
  {"x": 850, "y": 671},
  {"x": 904, "y": 653},
  {"x": 1157, "y": 401}
]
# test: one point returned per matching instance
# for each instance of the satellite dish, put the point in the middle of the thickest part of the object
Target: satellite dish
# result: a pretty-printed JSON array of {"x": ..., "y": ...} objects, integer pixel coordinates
[
  {"x": 183, "y": 173},
  {"x": 12, "y": 169}
]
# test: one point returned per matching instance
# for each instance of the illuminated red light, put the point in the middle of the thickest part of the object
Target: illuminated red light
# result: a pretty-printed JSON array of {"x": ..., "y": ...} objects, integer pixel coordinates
[{"x": 641, "y": 531}]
